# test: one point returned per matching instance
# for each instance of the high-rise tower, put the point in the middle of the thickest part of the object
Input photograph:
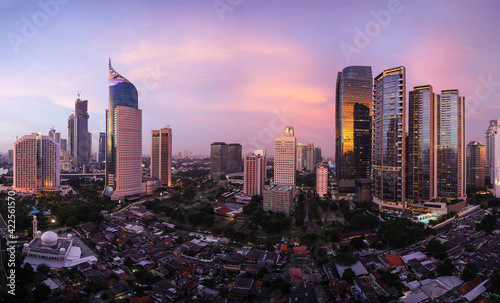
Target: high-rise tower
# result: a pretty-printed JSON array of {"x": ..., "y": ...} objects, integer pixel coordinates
[
  {"x": 161, "y": 155},
  {"x": 123, "y": 139},
  {"x": 490, "y": 149},
  {"x": 254, "y": 173},
  {"x": 353, "y": 109},
  {"x": 475, "y": 156},
  {"x": 388, "y": 145},
  {"x": 421, "y": 144},
  {"x": 451, "y": 145},
  {"x": 81, "y": 141},
  {"x": 284, "y": 157},
  {"x": 36, "y": 163}
]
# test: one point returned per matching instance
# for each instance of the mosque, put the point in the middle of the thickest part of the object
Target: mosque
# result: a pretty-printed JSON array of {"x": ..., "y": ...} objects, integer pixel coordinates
[{"x": 49, "y": 248}]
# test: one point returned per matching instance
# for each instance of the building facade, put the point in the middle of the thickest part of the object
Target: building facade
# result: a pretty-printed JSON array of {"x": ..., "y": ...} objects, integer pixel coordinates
[
  {"x": 451, "y": 183},
  {"x": 234, "y": 158},
  {"x": 388, "y": 140},
  {"x": 36, "y": 164},
  {"x": 284, "y": 157},
  {"x": 161, "y": 155},
  {"x": 254, "y": 173},
  {"x": 353, "y": 110},
  {"x": 82, "y": 139},
  {"x": 421, "y": 166},
  {"x": 301, "y": 157},
  {"x": 476, "y": 159},
  {"x": 225, "y": 159},
  {"x": 322, "y": 181},
  {"x": 123, "y": 139},
  {"x": 490, "y": 149},
  {"x": 278, "y": 198}
]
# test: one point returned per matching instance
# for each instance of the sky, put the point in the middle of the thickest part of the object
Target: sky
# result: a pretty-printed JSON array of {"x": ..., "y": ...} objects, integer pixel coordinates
[{"x": 236, "y": 71}]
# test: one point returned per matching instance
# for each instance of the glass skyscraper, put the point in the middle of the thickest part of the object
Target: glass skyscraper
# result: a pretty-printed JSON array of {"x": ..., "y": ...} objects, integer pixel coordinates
[
  {"x": 421, "y": 144},
  {"x": 451, "y": 145},
  {"x": 353, "y": 110},
  {"x": 123, "y": 139},
  {"x": 388, "y": 134}
]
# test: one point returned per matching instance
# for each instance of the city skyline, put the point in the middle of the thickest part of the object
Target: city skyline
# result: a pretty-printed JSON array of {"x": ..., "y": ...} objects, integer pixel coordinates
[{"x": 239, "y": 75}]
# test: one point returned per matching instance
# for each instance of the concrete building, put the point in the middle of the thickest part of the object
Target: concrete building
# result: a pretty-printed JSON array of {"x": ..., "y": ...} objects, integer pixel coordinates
[
  {"x": 234, "y": 158},
  {"x": 10, "y": 156},
  {"x": 475, "y": 165},
  {"x": 389, "y": 140},
  {"x": 82, "y": 150},
  {"x": 161, "y": 155},
  {"x": 322, "y": 181},
  {"x": 363, "y": 190},
  {"x": 310, "y": 156},
  {"x": 279, "y": 198},
  {"x": 123, "y": 139},
  {"x": 490, "y": 149},
  {"x": 451, "y": 145},
  {"x": 301, "y": 157},
  {"x": 101, "y": 155},
  {"x": 285, "y": 157},
  {"x": 254, "y": 173},
  {"x": 225, "y": 159},
  {"x": 36, "y": 164}
]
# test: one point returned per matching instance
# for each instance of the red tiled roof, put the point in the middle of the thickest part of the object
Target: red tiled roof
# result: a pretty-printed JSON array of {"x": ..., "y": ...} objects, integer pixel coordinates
[{"x": 394, "y": 260}]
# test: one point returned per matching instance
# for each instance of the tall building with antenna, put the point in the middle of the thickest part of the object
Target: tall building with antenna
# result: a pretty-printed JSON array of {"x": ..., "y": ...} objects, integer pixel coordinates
[{"x": 123, "y": 139}]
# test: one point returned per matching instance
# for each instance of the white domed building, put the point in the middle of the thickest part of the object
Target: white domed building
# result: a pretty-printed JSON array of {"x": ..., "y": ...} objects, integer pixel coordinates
[{"x": 53, "y": 250}]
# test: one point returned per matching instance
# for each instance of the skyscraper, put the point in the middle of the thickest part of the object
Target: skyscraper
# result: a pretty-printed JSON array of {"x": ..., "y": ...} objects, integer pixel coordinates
[
  {"x": 310, "y": 156},
  {"x": 123, "y": 139},
  {"x": 218, "y": 159},
  {"x": 475, "y": 157},
  {"x": 101, "y": 158},
  {"x": 36, "y": 163},
  {"x": 388, "y": 133},
  {"x": 421, "y": 145},
  {"x": 301, "y": 157},
  {"x": 71, "y": 136},
  {"x": 353, "y": 109},
  {"x": 161, "y": 155},
  {"x": 322, "y": 181},
  {"x": 451, "y": 145},
  {"x": 81, "y": 147},
  {"x": 234, "y": 158},
  {"x": 490, "y": 149},
  {"x": 10, "y": 156},
  {"x": 254, "y": 173},
  {"x": 284, "y": 157}
]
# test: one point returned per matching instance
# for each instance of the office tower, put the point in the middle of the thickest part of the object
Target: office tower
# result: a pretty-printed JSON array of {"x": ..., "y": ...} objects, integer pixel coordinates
[
  {"x": 64, "y": 145},
  {"x": 82, "y": 139},
  {"x": 185, "y": 154},
  {"x": 451, "y": 145},
  {"x": 254, "y": 173},
  {"x": 71, "y": 136},
  {"x": 284, "y": 157},
  {"x": 310, "y": 157},
  {"x": 161, "y": 155},
  {"x": 101, "y": 155},
  {"x": 278, "y": 198},
  {"x": 353, "y": 110},
  {"x": 490, "y": 149},
  {"x": 421, "y": 145},
  {"x": 388, "y": 133},
  {"x": 10, "y": 156},
  {"x": 317, "y": 155},
  {"x": 36, "y": 163},
  {"x": 322, "y": 181},
  {"x": 218, "y": 159},
  {"x": 234, "y": 158},
  {"x": 52, "y": 133},
  {"x": 57, "y": 137},
  {"x": 475, "y": 159},
  {"x": 301, "y": 157},
  {"x": 123, "y": 139}
]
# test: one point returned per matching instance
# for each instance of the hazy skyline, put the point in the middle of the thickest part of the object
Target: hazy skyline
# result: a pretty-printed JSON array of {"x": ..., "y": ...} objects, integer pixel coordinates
[{"x": 236, "y": 71}]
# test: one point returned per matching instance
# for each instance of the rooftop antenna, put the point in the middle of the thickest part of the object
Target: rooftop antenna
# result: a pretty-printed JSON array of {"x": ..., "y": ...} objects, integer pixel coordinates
[{"x": 79, "y": 92}]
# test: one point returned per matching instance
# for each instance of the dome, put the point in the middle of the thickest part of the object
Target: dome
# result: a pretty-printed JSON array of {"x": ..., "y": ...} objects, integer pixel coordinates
[
  {"x": 62, "y": 251},
  {"x": 38, "y": 233},
  {"x": 49, "y": 238}
]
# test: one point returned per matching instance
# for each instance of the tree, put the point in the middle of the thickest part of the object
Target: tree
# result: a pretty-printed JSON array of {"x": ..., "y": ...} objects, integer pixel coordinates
[
  {"x": 72, "y": 221},
  {"x": 348, "y": 275},
  {"x": 357, "y": 243},
  {"x": 41, "y": 292},
  {"x": 281, "y": 284},
  {"x": 43, "y": 268},
  {"x": 262, "y": 271},
  {"x": 446, "y": 268},
  {"x": 436, "y": 249}
]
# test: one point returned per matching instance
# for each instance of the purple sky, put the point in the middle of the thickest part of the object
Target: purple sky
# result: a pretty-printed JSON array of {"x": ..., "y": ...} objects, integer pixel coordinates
[{"x": 236, "y": 71}]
